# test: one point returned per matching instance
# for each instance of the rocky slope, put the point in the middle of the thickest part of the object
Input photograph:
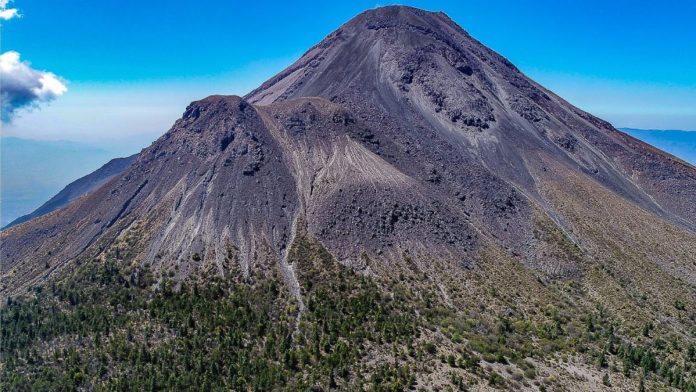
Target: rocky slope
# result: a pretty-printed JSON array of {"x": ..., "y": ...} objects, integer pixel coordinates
[{"x": 407, "y": 153}]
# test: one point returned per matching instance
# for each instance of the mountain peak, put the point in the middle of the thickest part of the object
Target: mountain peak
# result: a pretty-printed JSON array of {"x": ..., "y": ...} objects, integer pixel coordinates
[
  {"x": 213, "y": 103},
  {"x": 399, "y": 13},
  {"x": 387, "y": 44}
]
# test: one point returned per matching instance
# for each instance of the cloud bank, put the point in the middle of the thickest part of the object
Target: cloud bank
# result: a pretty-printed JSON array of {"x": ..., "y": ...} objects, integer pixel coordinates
[
  {"x": 23, "y": 87},
  {"x": 7, "y": 13}
]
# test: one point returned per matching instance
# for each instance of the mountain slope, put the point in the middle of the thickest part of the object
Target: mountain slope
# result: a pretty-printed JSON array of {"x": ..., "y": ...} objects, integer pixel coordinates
[
  {"x": 79, "y": 187},
  {"x": 400, "y": 166},
  {"x": 418, "y": 69}
]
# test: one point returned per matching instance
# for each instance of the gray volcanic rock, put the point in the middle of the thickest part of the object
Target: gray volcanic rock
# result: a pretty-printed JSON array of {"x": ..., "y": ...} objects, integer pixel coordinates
[
  {"x": 446, "y": 100},
  {"x": 78, "y": 188},
  {"x": 397, "y": 134}
]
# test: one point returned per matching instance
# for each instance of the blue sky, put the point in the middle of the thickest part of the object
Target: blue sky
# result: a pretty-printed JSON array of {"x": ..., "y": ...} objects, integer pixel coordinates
[{"x": 132, "y": 66}]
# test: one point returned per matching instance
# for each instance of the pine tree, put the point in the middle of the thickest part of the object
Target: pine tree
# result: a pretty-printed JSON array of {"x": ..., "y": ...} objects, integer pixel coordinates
[
  {"x": 605, "y": 380},
  {"x": 601, "y": 360}
]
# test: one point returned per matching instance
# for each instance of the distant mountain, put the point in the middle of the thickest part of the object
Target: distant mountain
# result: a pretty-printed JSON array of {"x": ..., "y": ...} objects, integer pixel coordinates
[
  {"x": 79, "y": 187},
  {"x": 400, "y": 209},
  {"x": 32, "y": 171},
  {"x": 681, "y": 144}
]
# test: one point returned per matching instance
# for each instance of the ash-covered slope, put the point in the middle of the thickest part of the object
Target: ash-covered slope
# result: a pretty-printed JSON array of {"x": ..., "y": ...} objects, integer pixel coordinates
[
  {"x": 448, "y": 101},
  {"x": 398, "y": 134},
  {"x": 233, "y": 178},
  {"x": 79, "y": 187}
]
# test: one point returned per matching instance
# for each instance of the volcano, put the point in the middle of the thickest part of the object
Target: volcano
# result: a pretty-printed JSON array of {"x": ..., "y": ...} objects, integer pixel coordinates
[{"x": 409, "y": 153}]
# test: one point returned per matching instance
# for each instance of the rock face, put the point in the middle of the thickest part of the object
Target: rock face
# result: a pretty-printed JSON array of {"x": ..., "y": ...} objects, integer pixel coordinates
[
  {"x": 78, "y": 188},
  {"x": 397, "y": 134}
]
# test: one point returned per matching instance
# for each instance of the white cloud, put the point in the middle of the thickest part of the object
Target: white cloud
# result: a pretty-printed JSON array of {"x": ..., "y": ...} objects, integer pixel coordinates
[
  {"x": 23, "y": 87},
  {"x": 7, "y": 13}
]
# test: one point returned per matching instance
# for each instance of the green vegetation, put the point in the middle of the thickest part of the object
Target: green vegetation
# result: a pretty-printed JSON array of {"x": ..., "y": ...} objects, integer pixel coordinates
[
  {"x": 110, "y": 327},
  {"x": 105, "y": 331}
]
